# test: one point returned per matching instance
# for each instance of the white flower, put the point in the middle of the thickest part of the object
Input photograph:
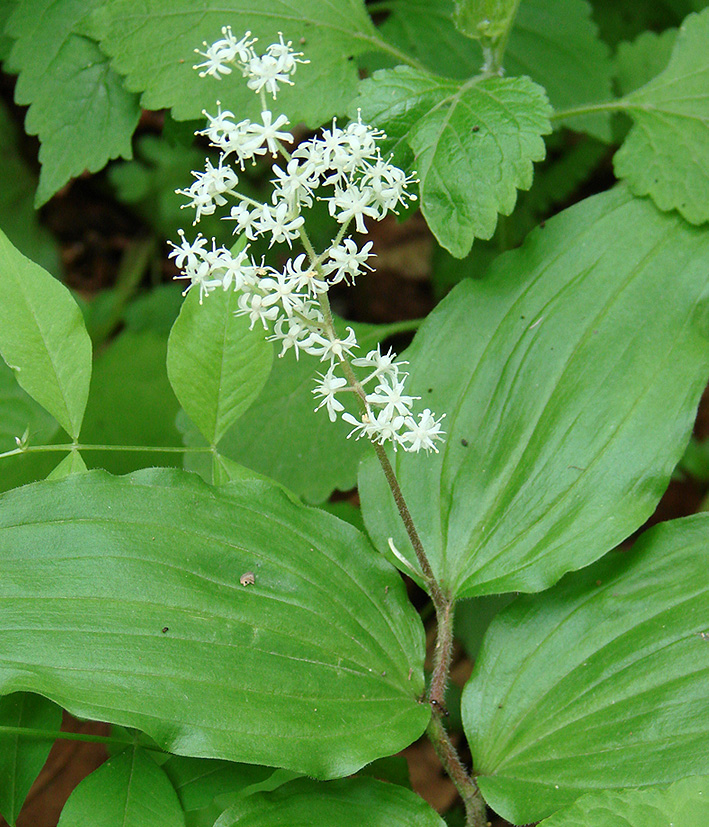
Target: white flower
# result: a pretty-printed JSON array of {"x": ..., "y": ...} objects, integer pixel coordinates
[
  {"x": 281, "y": 289},
  {"x": 187, "y": 254},
  {"x": 268, "y": 133},
  {"x": 225, "y": 51},
  {"x": 297, "y": 336},
  {"x": 333, "y": 348},
  {"x": 305, "y": 277},
  {"x": 390, "y": 394},
  {"x": 382, "y": 363},
  {"x": 255, "y": 307},
  {"x": 275, "y": 220},
  {"x": 248, "y": 221},
  {"x": 346, "y": 262},
  {"x": 388, "y": 184},
  {"x": 294, "y": 184},
  {"x": 353, "y": 203},
  {"x": 327, "y": 387},
  {"x": 423, "y": 434}
]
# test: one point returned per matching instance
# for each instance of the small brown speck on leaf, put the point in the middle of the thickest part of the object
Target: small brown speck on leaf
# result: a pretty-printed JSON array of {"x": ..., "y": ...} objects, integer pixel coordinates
[
  {"x": 165, "y": 629},
  {"x": 247, "y": 579}
]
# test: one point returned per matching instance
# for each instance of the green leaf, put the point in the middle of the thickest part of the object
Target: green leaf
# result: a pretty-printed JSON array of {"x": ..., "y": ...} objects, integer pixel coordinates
[
  {"x": 43, "y": 338},
  {"x": 282, "y": 437},
  {"x": 153, "y": 45},
  {"x": 129, "y": 790},
  {"x": 78, "y": 106},
  {"x": 198, "y": 781},
  {"x": 349, "y": 802},
  {"x": 6, "y": 9},
  {"x": 555, "y": 450},
  {"x": 73, "y": 463},
  {"x": 685, "y": 802},
  {"x": 18, "y": 218},
  {"x": 600, "y": 683},
  {"x": 20, "y": 415},
  {"x": 21, "y": 759},
  {"x": 486, "y": 20},
  {"x": 638, "y": 62},
  {"x": 554, "y": 42},
  {"x": 666, "y": 154},
  {"x": 217, "y": 366},
  {"x": 132, "y": 403},
  {"x": 473, "y": 145},
  {"x": 316, "y": 667}
]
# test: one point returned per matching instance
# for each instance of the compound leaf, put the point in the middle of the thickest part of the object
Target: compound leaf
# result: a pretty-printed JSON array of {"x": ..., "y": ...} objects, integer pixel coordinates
[
  {"x": 125, "y": 600},
  {"x": 78, "y": 106},
  {"x": 555, "y": 450},
  {"x": 666, "y": 154},
  {"x": 473, "y": 144},
  {"x": 153, "y": 45},
  {"x": 600, "y": 683}
]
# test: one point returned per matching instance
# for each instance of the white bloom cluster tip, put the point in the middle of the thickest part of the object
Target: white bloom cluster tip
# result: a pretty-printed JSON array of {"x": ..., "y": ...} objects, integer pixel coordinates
[{"x": 291, "y": 303}]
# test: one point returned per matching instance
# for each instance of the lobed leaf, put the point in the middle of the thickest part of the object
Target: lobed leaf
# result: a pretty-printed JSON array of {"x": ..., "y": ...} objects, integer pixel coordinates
[
  {"x": 217, "y": 366},
  {"x": 21, "y": 759},
  {"x": 666, "y": 154},
  {"x": 135, "y": 612},
  {"x": 685, "y": 802},
  {"x": 153, "y": 46},
  {"x": 78, "y": 106},
  {"x": 600, "y": 683},
  {"x": 43, "y": 338},
  {"x": 565, "y": 410},
  {"x": 129, "y": 790},
  {"x": 349, "y": 802},
  {"x": 473, "y": 144},
  {"x": 639, "y": 61}
]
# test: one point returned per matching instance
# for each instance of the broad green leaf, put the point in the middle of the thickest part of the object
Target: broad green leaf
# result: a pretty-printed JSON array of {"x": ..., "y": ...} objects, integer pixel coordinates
[
  {"x": 473, "y": 144},
  {"x": 153, "y": 45},
  {"x": 20, "y": 415},
  {"x": 639, "y": 61},
  {"x": 600, "y": 683},
  {"x": 134, "y": 612},
  {"x": 281, "y": 435},
  {"x": 43, "y": 338},
  {"x": 132, "y": 403},
  {"x": 666, "y": 154},
  {"x": 198, "y": 781},
  {"x": 73, "y": 463},
  {"x": 6, "y": 9},
  {"x": 217, "y": 366},
  {"x": 486, "y": 20},
  {"x": 78, "y": 106},
  {"x": 556, "y": 450},
  {"x": 554, "y": 42},
  {"x": 18, "y": 218},
  {"x": 129, "y": 790},
  {"x": 349, "y": 802},
  {"x": 684, "y": 803},
  {"x": 21, "y": 758}
]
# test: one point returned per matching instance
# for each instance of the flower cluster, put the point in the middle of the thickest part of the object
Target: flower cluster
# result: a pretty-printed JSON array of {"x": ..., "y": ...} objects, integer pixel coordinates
[{"x": 347, "y": 165}]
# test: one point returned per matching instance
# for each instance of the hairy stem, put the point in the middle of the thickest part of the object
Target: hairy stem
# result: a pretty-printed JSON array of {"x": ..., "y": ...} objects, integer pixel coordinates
[{"x": 475, "y": 812}]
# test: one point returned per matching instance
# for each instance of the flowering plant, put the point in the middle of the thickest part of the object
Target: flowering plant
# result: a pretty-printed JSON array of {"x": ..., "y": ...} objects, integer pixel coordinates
[{"x": 260, "y": 627}]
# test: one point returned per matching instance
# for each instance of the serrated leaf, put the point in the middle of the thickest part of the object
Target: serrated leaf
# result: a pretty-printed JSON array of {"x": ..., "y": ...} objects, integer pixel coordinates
[
  {"x": 43, "y": 338},
  {"x": 217, "y": 366},
  {"x": 132, "y": 403},
  {"x": 639, "y": 61},
  {"x": 129, "y": 790},
  {"x": 78, "y": 106},
  {"x": 315, "y": 667},
  {"x": 685, "y": 803},
  {"x": 554, "y": 42},
  {"x": 21, "y": 759},
  {"x": 282, "y": 437},
  {"x": 153, "y": 45},
  {"x": 600, "y": 683},
  {"x": 666, "y": 154},
  {"x": 473, "y": 144},
  {"x": 349, "y": 802},
  {"x": 555, "y": 452}
]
